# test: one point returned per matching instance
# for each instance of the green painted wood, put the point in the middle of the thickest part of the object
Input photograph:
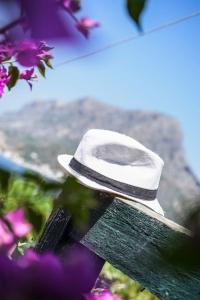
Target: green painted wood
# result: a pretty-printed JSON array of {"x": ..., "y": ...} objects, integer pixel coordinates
[
  {"x": 133, "y": 239},
  {"x": 53, "y": 231}
]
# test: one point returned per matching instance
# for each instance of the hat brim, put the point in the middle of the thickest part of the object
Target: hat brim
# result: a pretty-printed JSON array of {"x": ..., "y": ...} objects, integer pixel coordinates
[{"x": 64, "y": 161}]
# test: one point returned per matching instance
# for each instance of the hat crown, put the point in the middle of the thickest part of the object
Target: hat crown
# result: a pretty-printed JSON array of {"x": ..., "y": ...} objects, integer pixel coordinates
[{"x": 120, "y": 157}]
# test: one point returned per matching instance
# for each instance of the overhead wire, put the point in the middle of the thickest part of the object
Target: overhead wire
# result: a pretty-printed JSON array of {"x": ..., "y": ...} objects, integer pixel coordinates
[{"x": 130, "y": 38}]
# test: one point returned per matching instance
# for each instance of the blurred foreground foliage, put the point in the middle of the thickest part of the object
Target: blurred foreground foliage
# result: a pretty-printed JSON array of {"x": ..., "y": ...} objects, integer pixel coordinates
[
  {"x": 36, "y": 195},
  {"x": 77, "y": 200},
  {"x": 135, "y": 9},
  {"x": 28, "y": 195},
  {"x": 123, "y": 286}
]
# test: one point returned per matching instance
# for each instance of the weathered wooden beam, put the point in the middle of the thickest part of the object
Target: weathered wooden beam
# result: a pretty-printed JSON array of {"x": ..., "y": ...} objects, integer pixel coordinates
[
  {"x": 133, "y": 239},
  {"x": 53, "y": 232},
  {"x": 56, "y": 234}
]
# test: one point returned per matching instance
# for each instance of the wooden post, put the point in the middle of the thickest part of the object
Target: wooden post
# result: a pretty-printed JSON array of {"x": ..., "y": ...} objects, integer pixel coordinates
[
  {"x": 57, "y": 235},
  {"x": 133, "y": 239}
]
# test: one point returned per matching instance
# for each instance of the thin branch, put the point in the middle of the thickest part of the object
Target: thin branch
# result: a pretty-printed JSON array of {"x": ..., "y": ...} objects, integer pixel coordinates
[
  {"x": 69, "y": 12},
  {"x": 9, "y": 26}
]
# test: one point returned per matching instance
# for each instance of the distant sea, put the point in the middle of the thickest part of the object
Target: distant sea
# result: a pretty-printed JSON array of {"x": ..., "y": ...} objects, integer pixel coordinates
[{"x": 8, "y": 165}]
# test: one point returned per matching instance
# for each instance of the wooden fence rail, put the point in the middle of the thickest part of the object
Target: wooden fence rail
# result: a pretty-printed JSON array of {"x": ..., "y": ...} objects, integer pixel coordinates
[{"x": 134, "y": 239}]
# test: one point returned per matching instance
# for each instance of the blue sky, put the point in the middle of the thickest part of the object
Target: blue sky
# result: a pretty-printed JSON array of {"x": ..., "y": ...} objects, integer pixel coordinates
[{"x": 159, "y": 72}]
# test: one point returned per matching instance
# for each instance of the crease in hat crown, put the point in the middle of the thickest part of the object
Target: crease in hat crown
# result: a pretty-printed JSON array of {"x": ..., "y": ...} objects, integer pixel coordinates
[{"x": 119, "y": 157}]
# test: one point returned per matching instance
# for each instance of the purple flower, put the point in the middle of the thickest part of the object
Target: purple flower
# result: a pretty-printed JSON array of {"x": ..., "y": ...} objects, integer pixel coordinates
[
  {"x": 85, "y": 24},
  {"x": 46, "y": 276},
  {"x": 73, "y": 5},
  {"x": 89, "y": 23},
  {"x": 18, "y": 222},
  {"x": 4, "y": 78},
  {"x": 103, "y": 295},
  {"x": 27, "y": 74},
  {"x": 45, "y": 20},
  {"x": 44, "y": 54},
  {"x": 12, "y": 226},
  {"x": 29, "y": 53}
]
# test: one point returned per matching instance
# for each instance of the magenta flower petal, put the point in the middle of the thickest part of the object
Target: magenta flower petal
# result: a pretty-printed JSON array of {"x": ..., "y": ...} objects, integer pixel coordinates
[
  {"x": 30, "y": 85},
  {"x": 85, "y": 24},
  {"x": 27, "y": 53},
  {"x": 27, "y": 74},
  {"x": 67, "y": 3},
  {"x": 28, "y": 58},
  {"x": 18, "y": 222},
  {"x": 6, "y": 237},
  {"x": 43, "y": 54},
  {"x": 45, "y": 20},
  {"x": 45, "y": 276},
  {"x": 4, "y": 78},
  {"x": 28, "y": 259},
  {"x": 83, "y": 30},
  {"x": 73, "y": 5},
  {"x": 27, "y": 44},
  {"x": 89, "y": 23},
  {"x": 12, "y": 226}
]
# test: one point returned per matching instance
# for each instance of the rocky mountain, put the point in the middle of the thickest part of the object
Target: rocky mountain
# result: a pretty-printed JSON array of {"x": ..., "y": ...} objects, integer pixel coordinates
[
  {"x": 41, "y": 130},
  {"x": 2, "y": 142}
]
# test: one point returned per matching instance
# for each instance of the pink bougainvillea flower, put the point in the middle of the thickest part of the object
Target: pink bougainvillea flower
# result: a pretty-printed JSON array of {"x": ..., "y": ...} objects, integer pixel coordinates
[
  {"x": 103, "y": 295},
  {"x": 89, "y": 23},
  {"x": 46, "y": 276},
  {"x": 27, "y": 74},
  {"x": 12, "y": 226},
  {"x": 4, "y": 78},
  {"x": 67, "y": 3},
  {"x": 6, "y": 237},
  {"x": 44, "y": 54},
  {"x": 18, "y": 222},
  {"x": 30, "y": 53},
  {"x": 27, "y": 54},
  {"x": 85, "y": 24},
  {"x": 73, "y": 5},
  {"x": 28, "y": 259},
  {"x": 45, "y": 20}
]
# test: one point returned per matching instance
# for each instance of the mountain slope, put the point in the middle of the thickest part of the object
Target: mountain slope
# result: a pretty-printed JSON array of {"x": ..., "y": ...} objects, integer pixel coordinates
[{"x": 41, "y": 130}]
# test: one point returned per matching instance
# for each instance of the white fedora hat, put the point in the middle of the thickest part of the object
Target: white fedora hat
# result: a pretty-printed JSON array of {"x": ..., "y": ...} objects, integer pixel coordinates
[{"x": 115, "y": 163}]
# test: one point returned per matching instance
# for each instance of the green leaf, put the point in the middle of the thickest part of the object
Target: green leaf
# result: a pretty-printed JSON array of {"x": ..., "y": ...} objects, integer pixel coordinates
[
  {"x": 43, "y": 183},
  {"x": 35, "y": 218},
  {"x": 14, "y": 76},
  {"x": 4, "y": 180},
  {"x": 41, "y": 68},
  {"x": 135, "y": 8},
  {"x": 48, "y": 63},
  {"x": 77, "y": 200}
]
